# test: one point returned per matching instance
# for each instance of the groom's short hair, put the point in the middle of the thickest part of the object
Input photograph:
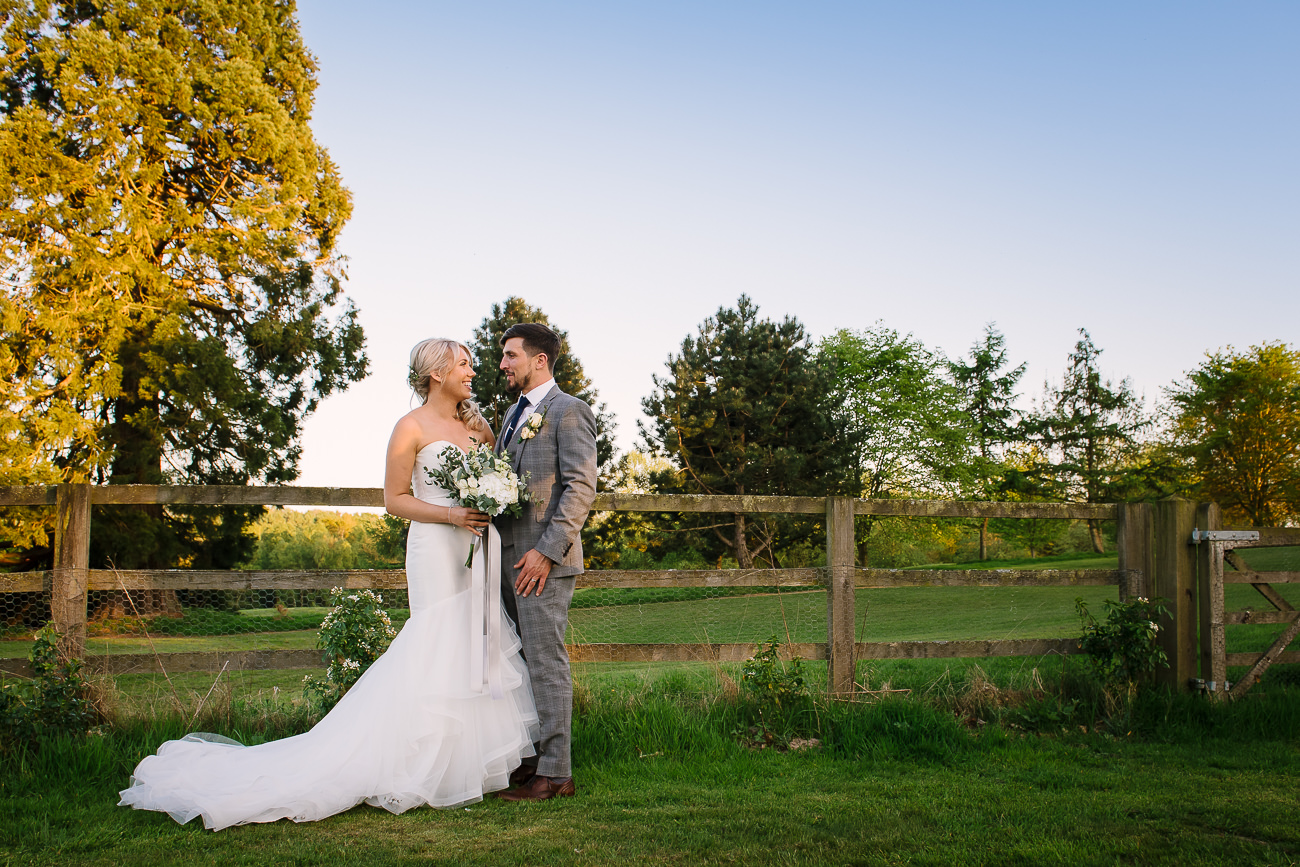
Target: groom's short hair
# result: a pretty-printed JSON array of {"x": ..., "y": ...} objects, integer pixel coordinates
[{"x": 537, "y": 339}]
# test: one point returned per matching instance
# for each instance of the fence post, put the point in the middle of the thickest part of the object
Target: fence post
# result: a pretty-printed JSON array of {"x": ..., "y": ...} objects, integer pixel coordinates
[
  {"x": 71, "y": 568},
  {"x": 1209, "y": 518},
  {"x": 1133, "y": 538},
  {"x": 1175, "y": 581},
  {"x": 840, "y": 556}
]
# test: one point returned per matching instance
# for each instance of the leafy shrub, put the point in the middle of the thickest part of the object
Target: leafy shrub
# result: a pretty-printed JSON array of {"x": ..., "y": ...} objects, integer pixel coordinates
[
  {"x": 772, "y": 682},
  {"x": 1123, "y": 650},
  {"x": 779, "y": 692},
  {"x": 52, "y": 703},
  {"x": 353, "y": 635}
]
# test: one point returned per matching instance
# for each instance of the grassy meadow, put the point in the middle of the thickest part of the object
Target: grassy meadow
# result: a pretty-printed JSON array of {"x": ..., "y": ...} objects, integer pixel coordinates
[
  {"x": 953, "y": 773},
  {"x": 963, "y": 761}
]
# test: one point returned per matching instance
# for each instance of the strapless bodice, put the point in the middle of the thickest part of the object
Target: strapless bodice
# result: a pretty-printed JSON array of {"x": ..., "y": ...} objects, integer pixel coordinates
[{"x": 423, "y": 487}]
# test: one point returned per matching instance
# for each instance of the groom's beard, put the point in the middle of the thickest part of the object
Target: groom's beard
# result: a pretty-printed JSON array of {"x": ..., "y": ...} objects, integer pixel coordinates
[{"x": 517, "y": 386}]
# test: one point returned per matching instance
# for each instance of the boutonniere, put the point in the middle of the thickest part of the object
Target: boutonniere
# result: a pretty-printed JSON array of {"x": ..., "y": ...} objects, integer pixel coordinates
[{"x": 531, "y": 425}]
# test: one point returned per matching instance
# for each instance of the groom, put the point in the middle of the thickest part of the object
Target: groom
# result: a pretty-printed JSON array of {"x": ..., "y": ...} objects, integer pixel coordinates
[{"x": 551, "y": 436}]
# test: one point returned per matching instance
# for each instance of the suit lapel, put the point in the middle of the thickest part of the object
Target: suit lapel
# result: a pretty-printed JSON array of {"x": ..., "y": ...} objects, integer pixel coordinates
[{"x": 517, "y": 448}]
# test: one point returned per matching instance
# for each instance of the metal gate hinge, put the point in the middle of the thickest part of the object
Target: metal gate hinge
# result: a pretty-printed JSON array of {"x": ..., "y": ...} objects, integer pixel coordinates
[{"x": 1224, "y": 536}]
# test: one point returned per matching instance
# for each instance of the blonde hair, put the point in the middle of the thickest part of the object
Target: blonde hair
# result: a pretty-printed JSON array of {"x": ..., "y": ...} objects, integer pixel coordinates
[{"x": 436, "y": 356}]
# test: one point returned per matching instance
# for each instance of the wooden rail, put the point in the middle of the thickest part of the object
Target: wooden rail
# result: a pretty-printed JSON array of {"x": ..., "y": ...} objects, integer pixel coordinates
[
  {"x": 1212, "y": 555},
  {"x": 72, "y": 578}
]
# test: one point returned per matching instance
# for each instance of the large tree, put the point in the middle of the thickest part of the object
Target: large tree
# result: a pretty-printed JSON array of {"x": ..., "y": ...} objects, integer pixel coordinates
[
  {"x": 895, "y": 407},
  {"x": 490, "y": 384},
  {"x": 988, "y": 389},
  {"x": 1088, "y": 428},
  {"x": 744, "y": 409},
  {"x": 1236, "y": 419},
  {"x": 172, "y": 301},
  {"x": 894, "y": 403}
]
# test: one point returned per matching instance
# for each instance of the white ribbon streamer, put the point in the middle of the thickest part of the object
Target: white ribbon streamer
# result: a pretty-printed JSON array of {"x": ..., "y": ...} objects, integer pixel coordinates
[{"x": 485, "y": 614}]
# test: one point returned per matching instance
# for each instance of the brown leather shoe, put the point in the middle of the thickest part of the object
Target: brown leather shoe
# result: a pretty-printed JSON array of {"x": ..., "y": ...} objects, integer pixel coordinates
[
  {"x": 541, "y": 788},
  {"x": 521, "y": 775}
]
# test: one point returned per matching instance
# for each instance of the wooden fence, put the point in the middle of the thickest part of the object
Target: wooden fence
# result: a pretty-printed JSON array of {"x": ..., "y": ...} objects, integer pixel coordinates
[
  {"x": 1216, "y": 548},
  {"x": 1145, "y": 566}
]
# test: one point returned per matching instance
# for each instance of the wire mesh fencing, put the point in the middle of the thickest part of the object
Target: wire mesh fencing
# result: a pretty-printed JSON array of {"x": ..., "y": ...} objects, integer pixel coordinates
[{"x": 185, "y": 635}]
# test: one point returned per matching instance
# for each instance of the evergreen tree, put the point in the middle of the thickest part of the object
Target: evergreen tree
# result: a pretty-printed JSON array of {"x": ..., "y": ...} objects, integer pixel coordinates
[
  {"x": 1089, "y": 428},
  {"x": 490, "y": 384},
  {"x": 744, "y": 409},
  {"x": 172, "y": 303},
  {"x": 1236, "y": 421},
  {"x": 988, "y": 396}
]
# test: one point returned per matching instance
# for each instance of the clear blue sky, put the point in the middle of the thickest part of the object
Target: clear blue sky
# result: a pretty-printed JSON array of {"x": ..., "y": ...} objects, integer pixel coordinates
[{"x": 1128, "y": 167}]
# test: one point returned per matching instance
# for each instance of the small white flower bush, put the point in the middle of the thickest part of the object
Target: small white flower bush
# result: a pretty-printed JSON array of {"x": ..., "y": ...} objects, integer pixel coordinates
[
  {"x": 1124, "y": 650},
  {"x": 352, "y": 636}
]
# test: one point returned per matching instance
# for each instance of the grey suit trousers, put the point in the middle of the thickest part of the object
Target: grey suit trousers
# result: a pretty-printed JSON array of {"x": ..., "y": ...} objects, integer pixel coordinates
[{"x": 541, "y": 621}]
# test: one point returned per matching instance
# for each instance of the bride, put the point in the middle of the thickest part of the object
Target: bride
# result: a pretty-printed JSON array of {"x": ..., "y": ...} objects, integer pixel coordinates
[{"x": 422, "y": 725}]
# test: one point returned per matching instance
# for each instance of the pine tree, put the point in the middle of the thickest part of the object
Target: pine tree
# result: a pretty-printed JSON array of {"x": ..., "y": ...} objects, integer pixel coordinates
[
  {"x": 744, "y": 409},
  {"x": 989, "y": 396},
  {"x": 1089, "y": 428},
  {"x": 490, "y": 384},
  {"x": 172, "y": 301}
]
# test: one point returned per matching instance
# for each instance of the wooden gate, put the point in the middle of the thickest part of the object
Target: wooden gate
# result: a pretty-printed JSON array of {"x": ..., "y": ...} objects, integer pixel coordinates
[{"x": 1220, "y": 548}]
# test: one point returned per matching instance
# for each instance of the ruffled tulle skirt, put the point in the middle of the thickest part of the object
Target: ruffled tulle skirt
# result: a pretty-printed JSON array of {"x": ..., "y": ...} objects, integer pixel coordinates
[{"x": 412, "y": 731}]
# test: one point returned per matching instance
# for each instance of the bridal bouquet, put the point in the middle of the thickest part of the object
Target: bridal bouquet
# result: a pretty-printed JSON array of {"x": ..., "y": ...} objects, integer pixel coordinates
[{"x": 480, "y": 480}]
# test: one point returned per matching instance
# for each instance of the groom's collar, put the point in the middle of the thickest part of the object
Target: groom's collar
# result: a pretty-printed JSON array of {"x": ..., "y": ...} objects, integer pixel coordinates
[{"x": 538, "y": 394}]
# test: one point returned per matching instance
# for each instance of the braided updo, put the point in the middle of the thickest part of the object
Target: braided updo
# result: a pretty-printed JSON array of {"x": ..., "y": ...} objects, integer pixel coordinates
[{"x": 435, "y": 357}]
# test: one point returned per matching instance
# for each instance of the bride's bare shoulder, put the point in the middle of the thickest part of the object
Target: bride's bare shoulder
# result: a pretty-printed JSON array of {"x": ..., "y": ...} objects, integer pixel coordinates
[{"x": 409, "y": 429}]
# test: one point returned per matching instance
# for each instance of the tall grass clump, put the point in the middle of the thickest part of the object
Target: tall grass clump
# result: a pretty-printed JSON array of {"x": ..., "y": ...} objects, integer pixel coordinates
[
  {"x": 893, "y": 728},
  {"x": 1271, "y": 714},
  {"x": 675, "y": 714},
  {"x": 705, "y": 714}
]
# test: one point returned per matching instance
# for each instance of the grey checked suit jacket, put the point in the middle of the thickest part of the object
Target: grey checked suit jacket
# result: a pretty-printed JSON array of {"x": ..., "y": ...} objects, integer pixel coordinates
[{"x": 561, "y": 463}]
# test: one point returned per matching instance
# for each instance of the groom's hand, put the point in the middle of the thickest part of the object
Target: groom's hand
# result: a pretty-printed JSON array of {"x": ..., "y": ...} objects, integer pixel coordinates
[{"x": 534, "y": 568}]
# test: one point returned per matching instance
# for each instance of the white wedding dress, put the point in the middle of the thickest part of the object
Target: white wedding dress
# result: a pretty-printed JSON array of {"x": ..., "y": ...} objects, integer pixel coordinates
[{"x": 421, "y": 726}]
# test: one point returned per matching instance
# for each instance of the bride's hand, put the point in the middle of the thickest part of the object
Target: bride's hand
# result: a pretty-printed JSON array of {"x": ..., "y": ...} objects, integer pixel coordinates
[{"x": 470, "y": 519}]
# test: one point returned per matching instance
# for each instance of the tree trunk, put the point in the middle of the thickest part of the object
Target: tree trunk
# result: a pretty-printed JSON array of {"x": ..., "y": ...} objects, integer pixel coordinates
[
  {"x": 137, "y": 460},
  {"x": 1098, "y": 543},
  {"x": 743, "y": 558},
  {"x": 984, "y": 540}
]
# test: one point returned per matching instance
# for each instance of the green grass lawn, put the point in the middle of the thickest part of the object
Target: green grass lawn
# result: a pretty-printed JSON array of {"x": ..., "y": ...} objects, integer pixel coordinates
[
  {"x": 981, "y": 761},
  {"x": 664, "y": 779},
  {"x": 1068, "y": 803}
]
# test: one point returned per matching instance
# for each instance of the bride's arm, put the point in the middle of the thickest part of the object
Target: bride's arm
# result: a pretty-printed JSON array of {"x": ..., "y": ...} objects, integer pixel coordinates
[
  {"x": 484, "y": 434},
  {"x": 398, "y": 499}
]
